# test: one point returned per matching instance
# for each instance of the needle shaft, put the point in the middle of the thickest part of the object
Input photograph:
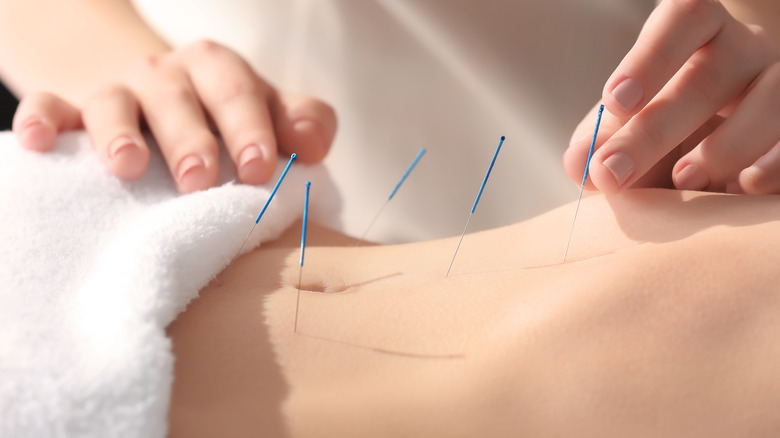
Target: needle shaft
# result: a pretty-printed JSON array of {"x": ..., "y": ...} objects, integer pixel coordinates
[
  {"x": 395, "y": 189},
  {"x": 584, "y": 178},
  {"x": 476, "y": 202},
  {"x": 265, "y": 207}
]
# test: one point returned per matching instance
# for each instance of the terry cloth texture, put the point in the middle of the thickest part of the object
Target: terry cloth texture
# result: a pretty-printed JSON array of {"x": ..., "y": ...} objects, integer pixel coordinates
[{"x": 93, "y": 269}]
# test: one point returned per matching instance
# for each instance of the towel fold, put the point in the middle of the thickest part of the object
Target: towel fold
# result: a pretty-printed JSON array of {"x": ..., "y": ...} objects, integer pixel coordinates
[{"x": 93, "y": 269}]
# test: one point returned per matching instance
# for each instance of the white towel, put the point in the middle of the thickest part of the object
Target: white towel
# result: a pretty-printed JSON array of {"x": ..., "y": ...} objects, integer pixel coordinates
[{"x": 93, "y": 269}]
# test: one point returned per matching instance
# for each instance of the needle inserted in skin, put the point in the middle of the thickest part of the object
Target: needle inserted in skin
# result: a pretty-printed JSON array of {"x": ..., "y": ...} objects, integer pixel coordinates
[
  {"x": 397, "y": 186},
  {"x": 303, "y": 250},
  {"x": 584, "y": 177},
  {"x": 265, "y": 207},
  {"x": 476, "y": 201}
]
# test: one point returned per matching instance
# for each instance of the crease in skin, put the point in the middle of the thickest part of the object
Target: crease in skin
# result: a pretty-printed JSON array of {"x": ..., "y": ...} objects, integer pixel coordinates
[
  {"x": 387, "y": 350},
  {"x": 635, "y": 227},
  {"x": 411, "y": 355},
  {"x": 320, "y": 288}
]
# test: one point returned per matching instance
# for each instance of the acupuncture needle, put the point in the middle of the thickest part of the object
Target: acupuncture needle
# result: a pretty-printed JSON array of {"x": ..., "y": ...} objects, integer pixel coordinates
[
  {"x": 476, "y": 201},
  {"x": 303, "y": 250},
  {"x": 389, "y": 198},
  {"x": 584, "y": 177},
  {"x": 262, "y": 212}
]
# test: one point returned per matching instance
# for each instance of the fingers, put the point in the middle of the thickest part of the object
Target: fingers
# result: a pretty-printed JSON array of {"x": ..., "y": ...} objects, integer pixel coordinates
[
  {"x": 305, "y": 126},
  {"x": 576, "y": 156},
  {"x": 173, "y": 113},
  {"x": 238, "y": 102},
  {"x": 40, "y": 117},
  {"x": 750, "y": 132},
  {"x": 111, "y": 118},
  {"x": 711, "y": 78},
  {"x": 762, "y": 177},
  {"x": 673, "y": 32},
  {"x": 252, "y": 118},
  {"x": 175, "y": 94}
]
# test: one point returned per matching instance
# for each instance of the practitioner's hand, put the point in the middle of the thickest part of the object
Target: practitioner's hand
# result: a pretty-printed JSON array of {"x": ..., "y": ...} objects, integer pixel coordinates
[
  {"x": 179, "y": 95},
  {"x": 695, "y": 102}
]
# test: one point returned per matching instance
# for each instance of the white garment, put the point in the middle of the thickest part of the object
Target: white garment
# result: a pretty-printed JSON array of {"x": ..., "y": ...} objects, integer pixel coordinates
[
  {"x": 448, "y": 75},
  {"x": 92, "y": 271}
]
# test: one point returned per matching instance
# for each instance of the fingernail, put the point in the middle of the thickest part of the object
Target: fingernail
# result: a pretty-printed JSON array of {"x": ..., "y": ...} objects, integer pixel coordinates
[
  {"x": 126, "y": 158},
  {"x": 621, "y": 166},
  {"x": 691, "y": 177},
  {"x": 191, "y": 174},
  {"x": 250, "y": 164},
  {"x": 32, "y": 122},
  {"x": 249, "y": 154},
  {"x": 38, "y": 133},
  {"x": 628, "y": 93},
  {"x": 121, "y": 145}
]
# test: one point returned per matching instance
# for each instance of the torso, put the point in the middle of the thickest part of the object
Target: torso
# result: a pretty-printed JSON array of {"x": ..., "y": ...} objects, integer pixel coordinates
[{"x": 657, "y": 285}]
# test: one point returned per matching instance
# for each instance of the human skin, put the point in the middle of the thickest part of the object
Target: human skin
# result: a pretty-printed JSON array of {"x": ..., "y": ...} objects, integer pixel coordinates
[
  {"x": 129, "y": 66},
  {"x": 693, "y": 104},
  {"x": 662, "y": 322},
  {"x": 96, "y": 65}
]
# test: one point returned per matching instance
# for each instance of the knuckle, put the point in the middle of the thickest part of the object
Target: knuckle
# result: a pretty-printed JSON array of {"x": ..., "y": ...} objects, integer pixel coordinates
[
  {"x": 664, "y": 55},
  {"x": 109, "y": 92},
  {"x": 144, "y": 70},
  {"x": 203, "y": 50},
  {"x": 702, "y": 78},
  {"x": 233, "y": 88},
  {"x": 200, "y": 140},
  {"x": 146, "y": 64},
  {"x": 205, "y": 46},
  {"x": 174, "y": 93},
  {"x": 653, "y": 137}
]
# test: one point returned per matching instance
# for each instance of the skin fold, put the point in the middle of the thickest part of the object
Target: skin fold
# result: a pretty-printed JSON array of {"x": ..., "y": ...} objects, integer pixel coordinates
[{"x": 661, "y": 322}]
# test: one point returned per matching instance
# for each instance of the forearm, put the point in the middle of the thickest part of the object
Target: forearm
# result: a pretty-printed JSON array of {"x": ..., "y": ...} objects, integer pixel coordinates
[{"x": 68, "y": 47}]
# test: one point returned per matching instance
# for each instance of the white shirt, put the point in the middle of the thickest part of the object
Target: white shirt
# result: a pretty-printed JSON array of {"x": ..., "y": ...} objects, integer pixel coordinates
[{"x": 448, "y": 75}]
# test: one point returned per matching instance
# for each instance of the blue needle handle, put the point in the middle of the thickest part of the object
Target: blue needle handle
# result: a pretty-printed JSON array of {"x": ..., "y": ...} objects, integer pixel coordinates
[
  {"x": 276, "y": 187},
  {"x": 592, "y": 144},
  {"x": 487, "y": 175},
  {"x": 408, "y": 171},
  {"x": 305, "y": 219}
]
